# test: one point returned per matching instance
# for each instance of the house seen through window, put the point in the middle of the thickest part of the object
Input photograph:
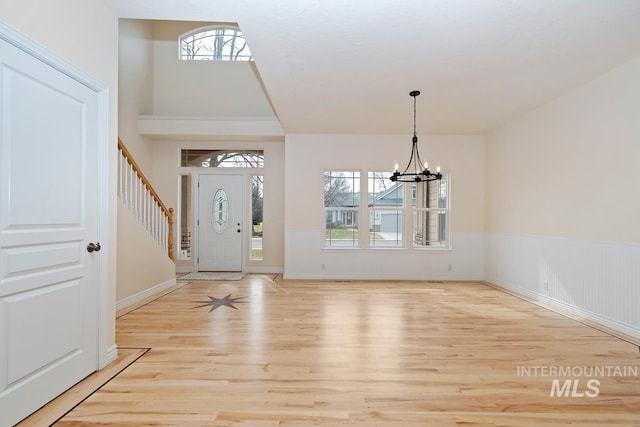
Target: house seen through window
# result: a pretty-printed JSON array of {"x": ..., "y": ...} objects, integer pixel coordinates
[
  {"x": 341, "y": 207},
  {"x": 386, "y": 211}
]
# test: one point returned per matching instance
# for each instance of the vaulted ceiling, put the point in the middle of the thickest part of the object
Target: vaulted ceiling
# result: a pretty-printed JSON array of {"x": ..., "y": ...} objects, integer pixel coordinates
[{"x": 336, "y": 66}]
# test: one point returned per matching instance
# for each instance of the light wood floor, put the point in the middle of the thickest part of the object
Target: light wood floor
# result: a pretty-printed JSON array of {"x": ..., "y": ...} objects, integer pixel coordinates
[{"x": 307, "y": 353}]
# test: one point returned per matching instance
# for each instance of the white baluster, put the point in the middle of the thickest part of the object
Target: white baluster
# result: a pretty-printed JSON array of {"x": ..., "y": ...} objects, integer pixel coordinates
[
  {"x": 134, "y": 193},
  {"x": 120, "y": 159}
]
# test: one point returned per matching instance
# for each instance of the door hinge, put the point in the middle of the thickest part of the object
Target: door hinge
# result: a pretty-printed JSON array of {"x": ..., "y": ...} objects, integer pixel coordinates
[
  {"x": 198, "y": 261},
  {"x": 198, "y": 223}
]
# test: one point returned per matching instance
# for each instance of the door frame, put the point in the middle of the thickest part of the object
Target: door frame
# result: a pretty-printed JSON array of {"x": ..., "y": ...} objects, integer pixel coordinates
[
  {"x": 196, "y": 213},
  {"x": 104, "y": 311}
]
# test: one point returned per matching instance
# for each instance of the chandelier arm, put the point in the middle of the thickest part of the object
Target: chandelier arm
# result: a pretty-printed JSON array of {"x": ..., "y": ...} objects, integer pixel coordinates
[
  {"x": 411, "y": 160},
  {"x": 420, "y": 165}
]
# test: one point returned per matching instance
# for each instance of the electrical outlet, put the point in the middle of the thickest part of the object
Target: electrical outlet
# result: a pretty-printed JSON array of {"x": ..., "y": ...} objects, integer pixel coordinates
[
  {"x": 322, "y": 266},
  {"x": 450, "y": 267},
  {"x": 546, "y": 285}
]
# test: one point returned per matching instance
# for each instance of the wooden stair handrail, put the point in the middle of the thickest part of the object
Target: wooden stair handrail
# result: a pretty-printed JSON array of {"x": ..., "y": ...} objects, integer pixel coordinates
[{"x": 167, "y": 211}]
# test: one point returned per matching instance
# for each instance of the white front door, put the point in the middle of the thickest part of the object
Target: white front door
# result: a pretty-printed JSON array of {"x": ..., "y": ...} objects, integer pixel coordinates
[
  {"x": 220, "y": 222},
  {"x": 48, "y": 216}
]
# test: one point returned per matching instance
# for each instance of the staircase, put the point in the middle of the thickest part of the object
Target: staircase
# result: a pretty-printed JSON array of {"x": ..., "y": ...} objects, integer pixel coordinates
[{"x": 137, "y": 193}]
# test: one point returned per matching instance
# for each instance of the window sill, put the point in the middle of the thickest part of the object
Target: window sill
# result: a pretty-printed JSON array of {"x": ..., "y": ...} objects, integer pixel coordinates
[{"x": 389, "y": 249}]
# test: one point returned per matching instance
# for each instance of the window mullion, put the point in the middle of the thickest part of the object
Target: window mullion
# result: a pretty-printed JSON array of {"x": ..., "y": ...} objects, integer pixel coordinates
[
  {"x": 407, "y": 223},
  {"x": 363, "y": 229}
]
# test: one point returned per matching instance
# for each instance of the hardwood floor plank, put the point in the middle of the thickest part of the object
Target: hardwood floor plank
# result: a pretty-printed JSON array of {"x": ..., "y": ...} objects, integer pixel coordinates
[{"x": 310, "y": 353}]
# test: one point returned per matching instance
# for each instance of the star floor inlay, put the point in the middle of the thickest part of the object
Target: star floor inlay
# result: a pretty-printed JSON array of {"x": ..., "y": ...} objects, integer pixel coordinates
[{"x": 219, "y": 302}]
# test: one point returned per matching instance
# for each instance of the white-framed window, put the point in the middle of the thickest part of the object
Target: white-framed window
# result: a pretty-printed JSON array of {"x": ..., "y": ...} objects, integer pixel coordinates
[
  {"x": 214, "y": 43},
  {"x": 386, "y": 211},
  {"x": 430, "y": 212},
  {"x": 341, "y": 208}
]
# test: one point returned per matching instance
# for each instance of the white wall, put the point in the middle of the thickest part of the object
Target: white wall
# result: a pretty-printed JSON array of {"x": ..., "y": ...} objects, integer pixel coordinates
[
  {"x": 142, "y": 264},
  {"x": 84, "y": 33},
  {"x": 135, "y": 56},
  {"x": 307, "y": 156},
  {"x": 562, "y": 205}
]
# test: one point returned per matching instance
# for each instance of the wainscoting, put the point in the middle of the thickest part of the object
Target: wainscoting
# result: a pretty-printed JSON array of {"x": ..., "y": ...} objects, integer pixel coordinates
[
  {"x": 596, "y": 280},
  {"x": 305, "y": 258}
]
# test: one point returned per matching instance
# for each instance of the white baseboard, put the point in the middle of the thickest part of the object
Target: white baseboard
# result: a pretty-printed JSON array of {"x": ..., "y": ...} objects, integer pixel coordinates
[
  {"x": 133, "y": 299},
  {"x": 112, "y": 353},
  {"x": 185, "y": 269},
  {"x": 376, "y": 277},
  {"x": 264, "y": 270}
]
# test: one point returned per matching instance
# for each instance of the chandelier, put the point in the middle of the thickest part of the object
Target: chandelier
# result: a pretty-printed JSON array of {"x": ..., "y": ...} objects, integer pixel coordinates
[{"x": 416, "y": 171}]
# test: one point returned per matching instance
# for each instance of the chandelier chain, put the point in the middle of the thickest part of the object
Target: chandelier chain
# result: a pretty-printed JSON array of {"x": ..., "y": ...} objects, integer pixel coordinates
[{"x": 415, "y": 133}]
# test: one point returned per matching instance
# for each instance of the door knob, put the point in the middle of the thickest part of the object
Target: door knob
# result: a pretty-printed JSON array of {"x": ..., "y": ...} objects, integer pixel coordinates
[
  {"x": 91, "y": 247},
  {"x": 238, "y": 230}
]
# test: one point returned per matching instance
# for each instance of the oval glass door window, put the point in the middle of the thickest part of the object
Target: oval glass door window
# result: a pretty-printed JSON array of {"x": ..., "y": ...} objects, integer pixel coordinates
[{"x": 220, "y": 211}]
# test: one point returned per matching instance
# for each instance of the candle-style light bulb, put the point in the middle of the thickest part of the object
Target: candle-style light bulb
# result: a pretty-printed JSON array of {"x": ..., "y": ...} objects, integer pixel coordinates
[
  {"x": 438, "y": 169},
  {"x": 395, "y": 167},
  {"x": 426, "y": 165}
]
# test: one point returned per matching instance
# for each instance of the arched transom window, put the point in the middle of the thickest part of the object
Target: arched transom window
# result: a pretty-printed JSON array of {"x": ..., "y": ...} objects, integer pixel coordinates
[{"x": 215, "y": 43}]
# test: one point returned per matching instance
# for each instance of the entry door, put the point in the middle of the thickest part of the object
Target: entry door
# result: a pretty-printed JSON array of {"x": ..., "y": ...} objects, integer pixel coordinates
[
  {"x": 48, "y": 216},
  {"x": 220, "y": 223}
]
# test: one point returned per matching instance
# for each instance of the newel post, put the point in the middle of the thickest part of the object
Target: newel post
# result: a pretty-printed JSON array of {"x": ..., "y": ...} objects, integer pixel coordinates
[{"x": 170, "y": 242}]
